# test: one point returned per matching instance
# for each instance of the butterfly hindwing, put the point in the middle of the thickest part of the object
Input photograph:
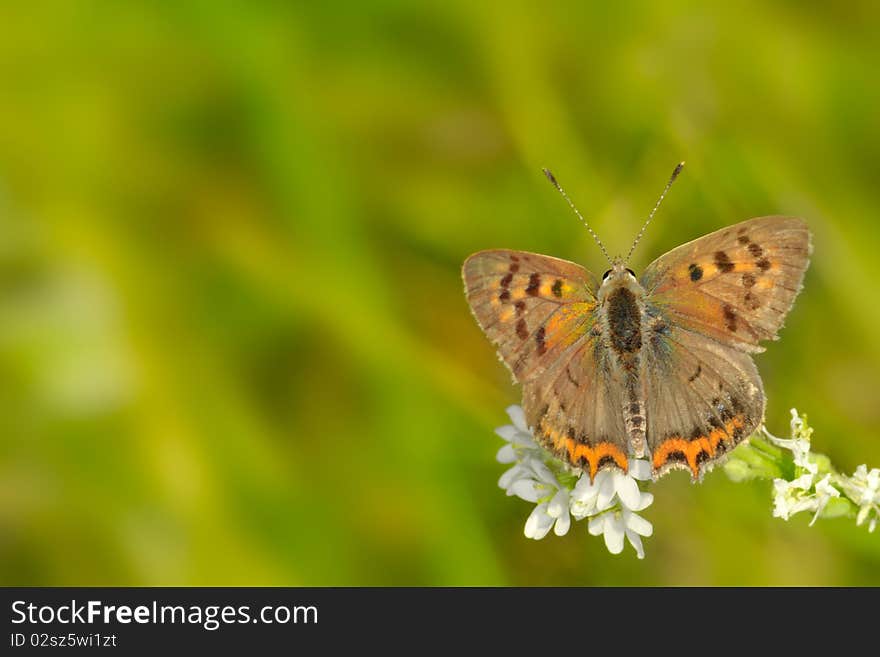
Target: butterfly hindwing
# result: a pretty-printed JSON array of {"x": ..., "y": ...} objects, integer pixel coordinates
[
  {"x": 704, "y": 399},
  {"x": 540, "y": 313},
  {"x": 735, "y": 285}
]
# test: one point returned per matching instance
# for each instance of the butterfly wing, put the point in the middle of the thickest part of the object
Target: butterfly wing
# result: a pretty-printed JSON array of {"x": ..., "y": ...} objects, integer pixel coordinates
[
  {"x": 712, "y": 301},
  {"x": 539, "y": 312},
  {"x": 704, "y": 398},
  {"x": 734, "y": 285}
]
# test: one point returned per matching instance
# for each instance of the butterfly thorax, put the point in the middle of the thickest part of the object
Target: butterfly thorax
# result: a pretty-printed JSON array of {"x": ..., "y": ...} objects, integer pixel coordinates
[{"x": 622, "y": 318}]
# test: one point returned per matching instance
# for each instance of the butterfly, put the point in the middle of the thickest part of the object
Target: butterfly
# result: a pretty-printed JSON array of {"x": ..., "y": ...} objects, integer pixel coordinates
[{"x": 656, "y": 367}]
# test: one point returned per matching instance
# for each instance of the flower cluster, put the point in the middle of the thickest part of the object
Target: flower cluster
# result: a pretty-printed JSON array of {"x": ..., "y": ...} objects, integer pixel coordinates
[
  {"x": 806, "y": 481},
  {"x": 806, "y": 492},
  {"x": 864, "y": 489},
  {"x": 610, "y": 502},
  {"x": 803, "y": 481}
]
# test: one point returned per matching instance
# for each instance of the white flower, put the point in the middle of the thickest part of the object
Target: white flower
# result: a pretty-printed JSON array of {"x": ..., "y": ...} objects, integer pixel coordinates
[
  {"x": 868, "y": 484},
  {"x": 517, "y": 435},
  {"x": 798, "y": 444},
  {"x": 793, "y": 496},
  {"x": 558, "y": 508},
  {"x": 824, "y": 492},
  {"x": 614, "y": 525},
  {"x": 537, "y": 487},
  {"x": 584, "y": 498},
  {"x": 534, "y": 481},
  {"x": 538, "y": 523},
  {"x": 589, "y": 498},
  {"x": 610, "y": 501},
  {"x": 865, "y": 491},
  {"x": 549, "y": 514}
]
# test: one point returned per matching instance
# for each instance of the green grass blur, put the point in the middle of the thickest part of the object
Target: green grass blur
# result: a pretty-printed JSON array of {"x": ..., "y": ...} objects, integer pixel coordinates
[{"x": 234, "y": 347}]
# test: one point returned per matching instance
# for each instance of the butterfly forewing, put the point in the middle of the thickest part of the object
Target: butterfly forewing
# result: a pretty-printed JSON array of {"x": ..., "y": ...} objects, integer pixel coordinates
[
  {"x": 534, "y": 308},
  {"x": 735, "y": 285}
]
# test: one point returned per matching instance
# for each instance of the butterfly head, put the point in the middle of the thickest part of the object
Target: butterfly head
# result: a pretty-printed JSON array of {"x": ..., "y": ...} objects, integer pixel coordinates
[{"x": 618, "y": 276}]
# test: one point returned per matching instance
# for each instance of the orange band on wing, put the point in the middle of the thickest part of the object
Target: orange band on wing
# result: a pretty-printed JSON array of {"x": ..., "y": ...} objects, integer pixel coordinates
[
  {"x": 691, "y": 449},
  {"x": 595, "y": 457}
]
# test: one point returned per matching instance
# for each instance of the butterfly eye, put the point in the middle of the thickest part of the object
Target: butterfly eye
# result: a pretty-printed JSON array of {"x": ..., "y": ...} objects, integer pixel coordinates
[
  {"x": 606, "y": 274},
  {"x": 631, "y": 273}
]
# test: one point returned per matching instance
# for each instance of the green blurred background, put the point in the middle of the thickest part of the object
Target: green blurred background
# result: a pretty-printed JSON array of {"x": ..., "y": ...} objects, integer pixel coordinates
[{"x": 234, "y": 347}]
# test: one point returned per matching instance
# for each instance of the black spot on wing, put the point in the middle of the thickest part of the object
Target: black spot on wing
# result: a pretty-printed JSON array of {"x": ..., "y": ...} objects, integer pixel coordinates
[
  {"x": 539, "y": 341},
  {"x": 729, "y": 318},
  {"x": 677, "y": 456},
  {"x": 696, "y": 272},
  {"x": 722, "y": 261},
  {"x": 534, "y": 284}
]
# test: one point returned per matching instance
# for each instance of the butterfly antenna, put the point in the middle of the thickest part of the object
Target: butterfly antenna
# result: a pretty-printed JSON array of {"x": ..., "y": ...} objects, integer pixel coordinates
[
  {"x": 672, "y": 178},
  {"x": 552, "y": 179}
]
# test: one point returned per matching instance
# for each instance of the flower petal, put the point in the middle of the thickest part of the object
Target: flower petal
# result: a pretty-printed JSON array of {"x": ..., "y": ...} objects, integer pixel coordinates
[
  {"x": 606, "y": 489},
  {"x": 640, "y": 469},
  {"x": 508, "y": 432},
  {"x": 526, "y": 489},
  {"x": 803, "y": 482},
  {"x": 538, "y": 523},
  {"x": 562, "y": 525},
  {"x": 627, "y": 490},
  {"x": 506, "y": 454},
  {"x": 645, "y": 500},
  {"x": 559, "y": 504},
  {"x": 636, "y": 541},
  {"x": 637, "y": 524},
  {"x": 597, "y": 525},
  {"x": 510, "y": 475},
  {"x": 544, "y": 473},
  {"x": 518, "y": 417},
  {"x": 584, "y": 489},
  {"x": 614, "y": 532}
]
